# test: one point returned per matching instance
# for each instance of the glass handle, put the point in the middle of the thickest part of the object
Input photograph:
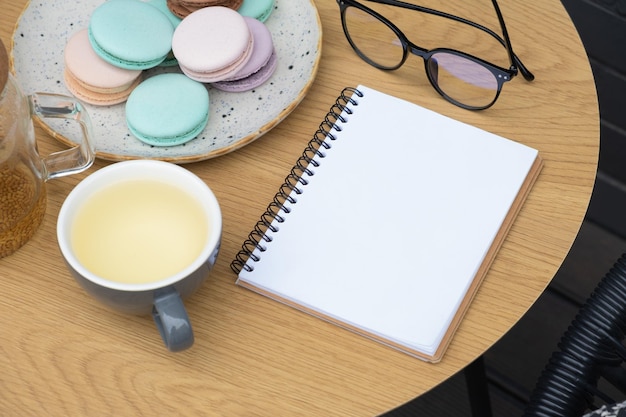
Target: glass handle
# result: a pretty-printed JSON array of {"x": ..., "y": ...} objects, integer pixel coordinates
[{"x": 78, "y": 158}]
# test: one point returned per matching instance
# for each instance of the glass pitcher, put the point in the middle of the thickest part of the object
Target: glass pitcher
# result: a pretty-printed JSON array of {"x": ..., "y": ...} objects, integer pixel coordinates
[{"x": 23, "y": 172}]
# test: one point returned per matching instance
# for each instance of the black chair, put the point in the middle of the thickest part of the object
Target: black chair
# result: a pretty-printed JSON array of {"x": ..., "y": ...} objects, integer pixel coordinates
[{"x": 586, "y": 371}]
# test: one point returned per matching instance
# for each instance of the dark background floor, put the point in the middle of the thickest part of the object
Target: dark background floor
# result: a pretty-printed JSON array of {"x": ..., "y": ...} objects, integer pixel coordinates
[{"x": 514, "y": 363}]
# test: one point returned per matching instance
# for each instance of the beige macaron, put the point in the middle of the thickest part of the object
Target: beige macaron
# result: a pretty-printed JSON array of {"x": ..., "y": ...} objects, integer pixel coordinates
[{"x": 93, "y": 80}]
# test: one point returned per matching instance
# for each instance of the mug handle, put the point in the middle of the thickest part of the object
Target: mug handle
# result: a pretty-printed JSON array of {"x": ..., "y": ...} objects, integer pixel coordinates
[
  {"x": 78, "y": 158},
  {"x": 172, "y": 321}
]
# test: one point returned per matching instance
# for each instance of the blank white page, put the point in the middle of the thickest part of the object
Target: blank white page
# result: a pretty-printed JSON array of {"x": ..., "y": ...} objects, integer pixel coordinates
[{"x": 394, "y": 224}]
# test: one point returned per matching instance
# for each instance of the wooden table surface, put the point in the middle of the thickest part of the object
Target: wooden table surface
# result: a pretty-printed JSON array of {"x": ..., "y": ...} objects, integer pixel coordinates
[{"x": 62, "y": 354}]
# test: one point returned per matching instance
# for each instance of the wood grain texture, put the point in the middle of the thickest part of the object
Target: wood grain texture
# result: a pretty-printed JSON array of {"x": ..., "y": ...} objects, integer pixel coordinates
[{"x": 64, "y": 354}]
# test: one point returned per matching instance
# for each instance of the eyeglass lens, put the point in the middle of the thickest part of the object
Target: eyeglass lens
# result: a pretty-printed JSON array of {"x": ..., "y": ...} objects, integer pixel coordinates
[{"x": 456, "y": 76}]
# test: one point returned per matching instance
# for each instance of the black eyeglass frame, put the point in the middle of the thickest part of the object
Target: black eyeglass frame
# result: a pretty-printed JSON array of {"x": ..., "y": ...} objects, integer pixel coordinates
[{"x": 501, "y": 74}]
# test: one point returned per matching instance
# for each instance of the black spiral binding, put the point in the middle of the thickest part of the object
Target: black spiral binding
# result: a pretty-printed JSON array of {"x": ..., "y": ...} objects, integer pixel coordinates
[{"x": 295, "y": 181}]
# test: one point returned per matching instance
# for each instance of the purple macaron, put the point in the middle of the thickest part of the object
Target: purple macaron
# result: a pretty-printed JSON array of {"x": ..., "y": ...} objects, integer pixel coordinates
[{"x": 260, "y": 66}]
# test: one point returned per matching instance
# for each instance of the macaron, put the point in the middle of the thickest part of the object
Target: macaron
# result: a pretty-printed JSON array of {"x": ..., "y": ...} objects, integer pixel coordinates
[
  {"x": 170, "y": 60},
  {"x": 167, "y": 110},
  {"x": 162, "y": 6},
  {"x": 130, "y": 34},
  {"x": 93, "y": 80},
  {"x": 257, "y": 9},
  {"x": 183, "y": 8},
  {"x": 260, "y": 66},
  {"x": 250, "y": 82},
  {"x": 212, "y": 44}
]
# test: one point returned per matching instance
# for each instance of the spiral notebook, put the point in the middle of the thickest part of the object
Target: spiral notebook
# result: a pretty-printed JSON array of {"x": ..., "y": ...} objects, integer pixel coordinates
[{"x": 389, "y": 221}]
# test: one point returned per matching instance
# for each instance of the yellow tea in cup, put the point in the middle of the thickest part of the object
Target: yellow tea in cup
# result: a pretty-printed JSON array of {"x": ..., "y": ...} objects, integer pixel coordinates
[{"x": 139, "y": 231}]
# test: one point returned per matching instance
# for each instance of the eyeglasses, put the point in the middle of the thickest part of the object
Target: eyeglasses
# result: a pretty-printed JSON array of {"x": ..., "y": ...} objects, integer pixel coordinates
[{"x": 462, "y": 79}]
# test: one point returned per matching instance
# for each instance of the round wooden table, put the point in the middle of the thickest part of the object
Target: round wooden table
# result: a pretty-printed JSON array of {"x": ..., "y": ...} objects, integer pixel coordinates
[{"x": 64, "y": 354}]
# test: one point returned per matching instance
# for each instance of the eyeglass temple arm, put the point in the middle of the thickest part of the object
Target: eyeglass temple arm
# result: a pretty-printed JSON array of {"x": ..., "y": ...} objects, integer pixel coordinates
[
  {"x": 528, "y": 76},
  {"x": 516, "y": 62}
]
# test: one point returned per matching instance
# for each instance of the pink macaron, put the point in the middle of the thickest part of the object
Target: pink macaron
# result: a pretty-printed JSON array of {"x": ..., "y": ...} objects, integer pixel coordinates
[
  {"x": 260, "y": 66},
  {"x": 212, "y": 44}
]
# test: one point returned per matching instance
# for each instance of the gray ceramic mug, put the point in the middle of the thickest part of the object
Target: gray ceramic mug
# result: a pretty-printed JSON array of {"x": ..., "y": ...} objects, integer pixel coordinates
[{"x": 122, "y": 251}]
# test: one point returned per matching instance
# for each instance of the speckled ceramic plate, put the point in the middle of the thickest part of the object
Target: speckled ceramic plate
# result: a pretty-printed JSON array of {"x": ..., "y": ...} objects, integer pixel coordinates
[{"x": 235, "y": 119}]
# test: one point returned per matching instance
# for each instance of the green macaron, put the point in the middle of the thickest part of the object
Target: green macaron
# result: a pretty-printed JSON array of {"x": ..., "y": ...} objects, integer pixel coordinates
[
  {"x": 257, "y": 9},
  {"x": 130, "y": 34},
  {"x": 167, "y": 110}
]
